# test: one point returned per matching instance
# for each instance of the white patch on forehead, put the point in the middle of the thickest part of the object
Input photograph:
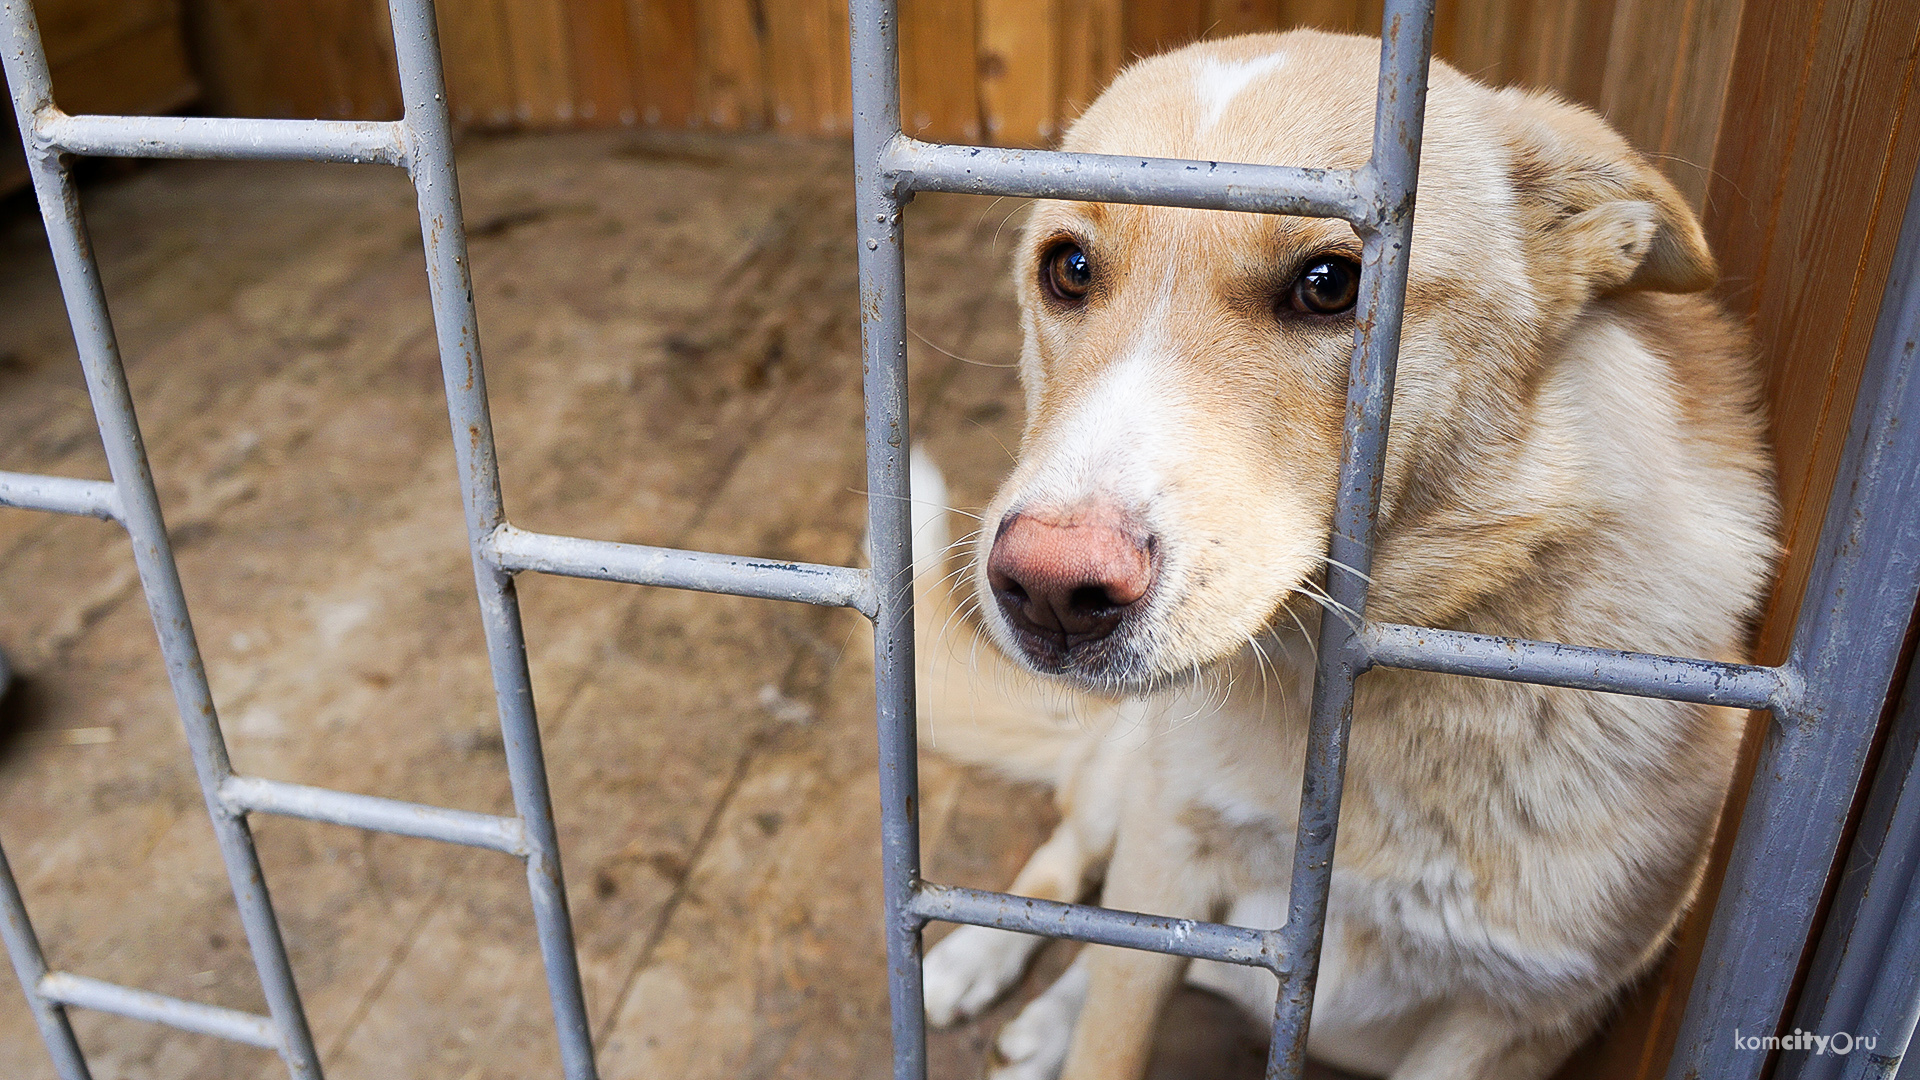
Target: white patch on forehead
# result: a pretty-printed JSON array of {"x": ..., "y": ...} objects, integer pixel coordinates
[
  {"x": 1217, "y": 82},
  {"x": 1112, "y": 441}
]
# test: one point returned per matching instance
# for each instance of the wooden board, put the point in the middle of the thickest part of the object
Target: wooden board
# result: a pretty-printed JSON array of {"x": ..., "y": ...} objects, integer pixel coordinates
[
  {"x": 316, "y": 59},
  {"x": 479, "y": 68},
  {"x": 603, "y": 62},
  {"x": 539, "y": 42},
  {"x": 1019, "y": 72},
  {"x": 732, "y": 64},
  {"x": 1812, "y": 166},
  {"x": 70, "y": 29},
  {"x": 1154, "y": 26},
  {"x": 106, "y": 57},
  {"x": 667, "y": 60},
  {"x": 809, "y": 84},
  {"x": 1343, "y": 16},
  {"x": 1225, "y": 18},
  {"x": 939, "y": 70},
  {"x": 1092, "y": 43},
  {"x": 1788, "y": 123},
  {"x": 1668, "y": 64}
]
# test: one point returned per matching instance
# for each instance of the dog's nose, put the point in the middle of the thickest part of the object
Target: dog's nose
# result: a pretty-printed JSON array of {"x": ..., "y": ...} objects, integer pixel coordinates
[{"x": 1068, "y": 580}]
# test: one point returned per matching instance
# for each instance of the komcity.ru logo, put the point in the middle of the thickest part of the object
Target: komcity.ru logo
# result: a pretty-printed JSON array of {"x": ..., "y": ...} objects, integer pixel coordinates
[{"x": 1839, "y": 1044}]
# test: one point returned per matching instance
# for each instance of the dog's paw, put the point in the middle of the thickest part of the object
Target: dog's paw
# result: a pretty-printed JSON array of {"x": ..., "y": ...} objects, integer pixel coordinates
[
  {"x": 1034, "y": 1045},
  {"x": 971, "y": 968}
]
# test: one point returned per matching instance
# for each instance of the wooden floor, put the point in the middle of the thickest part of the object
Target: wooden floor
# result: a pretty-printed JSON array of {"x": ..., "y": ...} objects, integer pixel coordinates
[{"x": 672, "y": 350}]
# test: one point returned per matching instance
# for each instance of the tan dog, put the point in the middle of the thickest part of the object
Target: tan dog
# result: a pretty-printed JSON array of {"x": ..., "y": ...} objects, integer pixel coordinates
[{"x": 1576, "y": 456}]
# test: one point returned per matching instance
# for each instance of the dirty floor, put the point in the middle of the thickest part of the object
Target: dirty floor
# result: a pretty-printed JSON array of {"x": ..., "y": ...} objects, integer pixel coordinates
[{"x": 672, "y": 346}]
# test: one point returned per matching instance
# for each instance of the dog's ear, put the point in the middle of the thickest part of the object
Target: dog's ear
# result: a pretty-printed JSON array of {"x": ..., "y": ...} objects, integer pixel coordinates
[{"x": 1596, "y": 206}]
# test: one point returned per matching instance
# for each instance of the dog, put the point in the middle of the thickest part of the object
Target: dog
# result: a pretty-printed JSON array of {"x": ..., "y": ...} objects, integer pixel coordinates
[{"x": 1577, "y": 454}]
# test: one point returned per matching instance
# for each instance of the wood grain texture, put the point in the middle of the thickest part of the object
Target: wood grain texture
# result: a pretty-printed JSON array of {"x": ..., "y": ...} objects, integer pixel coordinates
[
  {"x": 1809, "y": 262},
  {"x": 1813, "y": 161},
  {"x": 939, "y": 70},
  {"x": 666, "y": 35},
  {"x": 1667, "y": 71},
  {"x": 1019, "y": 73},
  {"x": 105, "y": 58},
  {"x": 145, "y": 71},
  {"x": 1154, "y": 26},
  {"x": 72, "y": 28},
  {"x": 1564, "y": 48},
  {"x": 1225, "y": 18},
  {"x": 1342, "y": 16},
  {"x": 731, "y": 37},
  {"x": 479, "y": 66},
  {"x": 319, "y": 58},
  {"x": 1092, "y": 43},
  {"x": 603, "y": 62},
  {"x": 247, "y": 61},
  {"x": 362, "y": 72},
  {"x": 542, "y": 52},
  {"x": 808, "y": 80},
  {"x": 1478, "y": 37}
]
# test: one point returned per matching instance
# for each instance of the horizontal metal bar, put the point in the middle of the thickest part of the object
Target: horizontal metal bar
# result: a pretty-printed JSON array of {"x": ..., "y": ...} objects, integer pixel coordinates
[
  {"x": 345, "y": 141},
  {"x": 160, "y": 1009},
  {"x": 1707, "y": 682},
  {"x": 243, "y": 793},
  {"x": 913, "y": 165},
  {"x": 60, "y": 495},
  {"x": 1102, "y": 926},
  {"x": 514, "y": 549}
]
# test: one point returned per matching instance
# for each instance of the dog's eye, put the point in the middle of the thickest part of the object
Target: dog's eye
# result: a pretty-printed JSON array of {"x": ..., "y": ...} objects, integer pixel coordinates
[
  {"x": 1066, "y": 272},
  {"x": 1327, "y": 285}
]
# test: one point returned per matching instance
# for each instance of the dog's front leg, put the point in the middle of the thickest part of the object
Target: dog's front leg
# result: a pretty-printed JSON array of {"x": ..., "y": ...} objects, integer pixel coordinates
[
  {"x": 1470, "y": 1042},
  {"x": 970, "y": 968},
  {"x": 1155, "y": 869}
]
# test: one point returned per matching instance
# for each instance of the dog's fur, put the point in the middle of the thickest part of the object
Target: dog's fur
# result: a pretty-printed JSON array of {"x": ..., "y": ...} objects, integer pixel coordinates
[{"x": 1576, "y": 455}]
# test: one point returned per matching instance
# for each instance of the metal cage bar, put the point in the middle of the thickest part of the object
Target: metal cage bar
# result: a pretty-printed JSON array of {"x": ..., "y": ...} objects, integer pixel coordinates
[
  {"x": 1864, "y": 973},
  {"x": 1853, "y": 618},
  {"x": 26, "y": 68},
  {"x": 1378, "y": 199},
  {"x": 1846, "y": 648}
]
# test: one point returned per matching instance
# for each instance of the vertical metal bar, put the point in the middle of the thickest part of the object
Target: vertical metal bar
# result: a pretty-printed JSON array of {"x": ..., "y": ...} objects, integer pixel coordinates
[
  {"x": 26, "y": 68},
  {"x": 429, "y": 138},
  {"x": 876, "y": 122},
  {"x": 1399, "y": 119},
  {"x": 23, "y": 945},
  {"x": 1865, "y": 976},
  {"x": 1859, "y": 600}
]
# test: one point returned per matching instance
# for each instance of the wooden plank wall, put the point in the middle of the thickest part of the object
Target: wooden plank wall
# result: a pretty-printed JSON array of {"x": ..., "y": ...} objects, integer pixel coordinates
[
  {"x": 123, "y": 56},
  {"x": 1812, "y": 165},
  {"x": 1786, "y": 122},
  {"x": 1007, "y": 72}
]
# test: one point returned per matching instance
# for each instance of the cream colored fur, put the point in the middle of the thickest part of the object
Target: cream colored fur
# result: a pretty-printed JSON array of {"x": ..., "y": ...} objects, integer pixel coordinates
[{"x": 1576, "y": 455}]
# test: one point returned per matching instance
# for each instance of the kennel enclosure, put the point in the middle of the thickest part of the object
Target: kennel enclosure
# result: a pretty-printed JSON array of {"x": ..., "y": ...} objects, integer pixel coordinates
[{"x": 1824, "y": 700}]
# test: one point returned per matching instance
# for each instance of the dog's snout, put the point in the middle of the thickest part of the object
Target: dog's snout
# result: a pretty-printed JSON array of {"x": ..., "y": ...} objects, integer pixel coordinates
[{"x": 1068, "y": 580}]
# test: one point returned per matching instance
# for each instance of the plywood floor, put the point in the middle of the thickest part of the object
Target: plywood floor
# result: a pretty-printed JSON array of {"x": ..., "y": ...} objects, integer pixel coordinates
[{"x": 672, "y": 347}]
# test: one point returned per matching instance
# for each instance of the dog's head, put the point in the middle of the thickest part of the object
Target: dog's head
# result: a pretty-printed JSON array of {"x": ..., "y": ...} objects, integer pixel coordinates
[{"x": 1185, "y": 370}]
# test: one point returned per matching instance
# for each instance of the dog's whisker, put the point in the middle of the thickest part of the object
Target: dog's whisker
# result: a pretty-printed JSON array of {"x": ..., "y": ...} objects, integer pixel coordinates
[
  {"x": 868, "y": 493},
  {"x": 1313, "y": 650},
  {"x": 1008, "y": 216},
  {"x": 1330, "y": 561},
  {"x": 954, "y": 355},
  {"x": 1339, "y": 610},
  {"x": 1011, "y": 456}
]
